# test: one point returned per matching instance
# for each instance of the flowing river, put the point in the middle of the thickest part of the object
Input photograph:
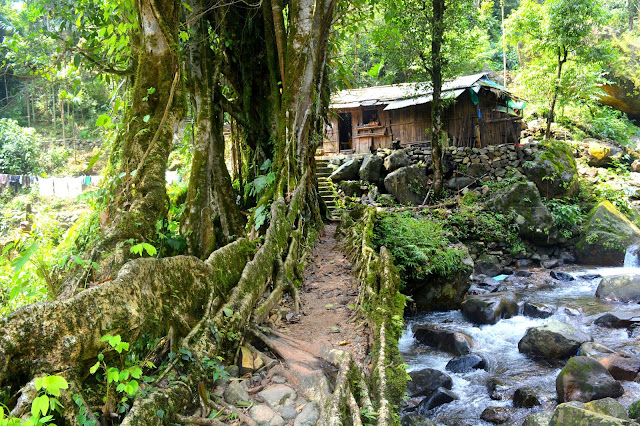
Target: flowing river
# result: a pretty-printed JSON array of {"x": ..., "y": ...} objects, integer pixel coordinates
[{"x": 574, "y": 303}]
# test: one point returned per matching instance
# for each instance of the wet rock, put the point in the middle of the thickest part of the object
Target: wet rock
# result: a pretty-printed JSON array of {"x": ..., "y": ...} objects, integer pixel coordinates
[
  {"x": 488, "y": 264},
  {"x": 625, "y": 288},
  {"x": 497, "y": 415},
  {"x": 618, "y": 320},
  {"x": 490, "y": 308},
  {"x": 589, "y": 277},
  {"x": 538, "y": 419},
  {"x": 622, "y": 367},
  {"x": 348, "y": 171},
  {"x": 561, "y": 276},
  {"x": 595, "y": 350},
  {"x": 585, "y": 379},
  {"x": 236, "y": 392},
  {"x": 426, "y": 381},
  {"x": 537, "y": 310},
  {"x": 573, "y": 414},
  {"x": 634, "y": 410},
  {"x": 524, "y": 263},
  {"x": 523, "y": 273},
  {"x": 396, "y": 160},
  {"x": 414, "y": 419},
  {"x": 571, "y": 311},
  {"x": 607, "y": 406},
  {"x": 606, "y": 237},
  {"x": 533, "y": 219},
  {"x": 371, "y": 168},
  {"x": 554, "y": 171},
  {"x": 407, "y": 184},
  {"x": 497, "y": 389},
  {"x": 439, "y": 397},
  {"x": 351, "y": 188},
  {"x": 308, "y": 416},
  {"x": 265, "y": 416},
  {"x": 554, "y": 340},
  {"x": 466, "y": 363},
  {"x": 552, "y": 263},
  {"x": 451, "y": 341},
  {"x": 525, "y": 398},
  {"x": 277, "y": 394}
]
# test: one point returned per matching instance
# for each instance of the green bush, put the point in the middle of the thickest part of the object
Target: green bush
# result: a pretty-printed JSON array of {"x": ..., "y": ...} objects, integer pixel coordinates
[
  {"x": 420, "y": 246},
  {"x": 568, "y": 216},
  {"x": 19, "y": 149}
]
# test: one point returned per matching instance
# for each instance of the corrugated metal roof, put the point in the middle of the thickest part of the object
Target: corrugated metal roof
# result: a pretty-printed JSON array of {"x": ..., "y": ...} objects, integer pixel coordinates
[
  {"x": 403, "y": 103},
  {"x": 386, "y": 95}
]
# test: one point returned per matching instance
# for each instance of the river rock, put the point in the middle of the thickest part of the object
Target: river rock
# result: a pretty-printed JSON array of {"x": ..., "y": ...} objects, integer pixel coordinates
[
  {"x": 466, "y": 363},
  {"x": 407, "y": 184},
  {"x": 397, "y": 159},
  {"x": 595, "y": 350},
  {"x": 554, "y": 171},
  {"x": 488, "y": 264},
  {"x": 606, "y": 236},
  {"x": 618, "y": 320},
  {"x": 451, "y": 341},
  {"x": 536, "y": 310},
  {"x": 523, "y": 273},
  {"x": 574, "y": 414},
  {"x": 348, "y": 171},
  {"x": 561, "y": 276},
  {"x": 608, "y": 407},
  {"x": 622, "y": 367},
  {"x": 371, "y": 168},
  {"x": 414, "y": 419},
  {"x": 634, "y": 410},
  {"x": 497, "y": 415},
  {"x": 439, "y": 397},
  {"x": 602, "y": 154},
  {"x": 622, "y": 288},
  {"x": 426, "y": 381},
  {"x": 236, "y": 392},
  {"x": 458, "y": 183},
  {"x": 490, "y": 308},
  {"x": 590, "y": 277},
  {"x": 277, "y": 394},
  {"x": 533, "y": 219},
  {"x": 308, "y": 416},
  {"x": 265, "y": 416},
  {"x": 525, "y": 398},
  {"x": 554, "y": 340},
  {"x": 585, "y": 379},
  {"x": 542, "y": 418}
]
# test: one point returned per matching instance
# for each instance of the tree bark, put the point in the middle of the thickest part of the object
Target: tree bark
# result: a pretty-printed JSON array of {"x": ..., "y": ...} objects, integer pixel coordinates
[
  {"x": 437, "y": 36},
  {"x": 562, "y": 58}
]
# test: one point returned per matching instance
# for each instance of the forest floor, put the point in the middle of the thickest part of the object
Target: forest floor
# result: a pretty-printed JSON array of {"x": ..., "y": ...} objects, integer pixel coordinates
[{"x": 293, "y": 390}]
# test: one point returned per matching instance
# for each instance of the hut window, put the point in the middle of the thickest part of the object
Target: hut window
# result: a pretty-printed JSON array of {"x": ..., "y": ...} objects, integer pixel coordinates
[{"x": 370, "y": 117}]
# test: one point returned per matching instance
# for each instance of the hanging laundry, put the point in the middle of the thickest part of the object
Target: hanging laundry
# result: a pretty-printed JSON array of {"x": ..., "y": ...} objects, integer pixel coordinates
[
  {"x": 60, "y": 187},
  {"x": 4, "y": 181},
  {"x": 75, "y": 186},
  {"x": 46, "y": 187}
]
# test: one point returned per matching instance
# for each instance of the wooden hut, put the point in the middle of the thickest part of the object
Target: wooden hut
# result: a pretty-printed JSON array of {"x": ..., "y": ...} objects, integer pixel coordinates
[{"x": 479, "y": 112}]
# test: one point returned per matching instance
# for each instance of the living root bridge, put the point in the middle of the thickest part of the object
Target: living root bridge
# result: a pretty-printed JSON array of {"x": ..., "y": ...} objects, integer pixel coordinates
[{"x": 192, "y": 297}]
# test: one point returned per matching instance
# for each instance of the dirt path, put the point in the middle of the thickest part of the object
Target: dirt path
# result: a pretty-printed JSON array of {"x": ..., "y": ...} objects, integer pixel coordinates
[{"x": 327, "y": 296}]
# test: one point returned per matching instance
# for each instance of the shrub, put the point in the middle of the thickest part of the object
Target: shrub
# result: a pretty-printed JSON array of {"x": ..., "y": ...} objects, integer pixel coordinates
[
  {"x": 568, "y": 217},
  {"x": 19, "y": 148}
]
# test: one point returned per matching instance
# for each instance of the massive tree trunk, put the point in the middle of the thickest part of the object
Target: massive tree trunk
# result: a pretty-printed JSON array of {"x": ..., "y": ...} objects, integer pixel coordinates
[
  {"x": 437, "y": 36},
  {"x": 562, "y": 58}
]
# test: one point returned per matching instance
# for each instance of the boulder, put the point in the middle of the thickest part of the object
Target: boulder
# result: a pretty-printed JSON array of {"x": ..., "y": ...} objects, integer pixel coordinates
[
  {"x": 536, "y": 310},
  {"x": 623, "y": 288},
  {"x": 498, "y": 389},
  {"x": 533, "y": 220},
  {"x": 603, "y": 154},
  {"x": 426, "y": 381},
  {"x": 554, "y": 171},
  {"x": 371, "y": 168},
  {"x": 554, "y": 340},
  {"x": 407, "y": 184},
  {"x": 351, "y": 188},
  {"x": 496, "y": 415},
  {"x": 490, "y": 308},
  {"x": 606, "y": 236},
  {"x": 622, "y": 367},
  {"x": 585, "y": 379},
  {"x": 538, "y": 419},
  {"x": 634, "y": 410},
  {"x": 561, "y": 276},
  {"x": 397, "y": 159},
  {"x": 488, "y": 264},
  {"x": 236, "y": 392},
  {"x": 348, "y": 171},
  {"x": 525, "y": 398},
  {"x": 466, "y": 363},
  {"x": 414, "y": 419},
  {"x": 618, "y": 320},
  {"x": 454, "y": 342},
  {"x": 458, "y": 183},
  {"x": 608, "y": 407},
  {"x": 439, "y": 397},
  {"x": 574, "y": 414},
  {"x": 595, "y": 350}
]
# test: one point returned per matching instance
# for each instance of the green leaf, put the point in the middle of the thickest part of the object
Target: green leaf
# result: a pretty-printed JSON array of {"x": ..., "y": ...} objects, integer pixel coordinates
[
  {"x": 151, "y": 90},
  {"x": 160, "y": 414},
  {"x": 94, "y": 367},
  {"x": 228, "y": 312},
  {"x": 103, "y": 120},
  {"x": 53, "y": 384},
  {"x": 146, "y": 118},
  {"x": 22, "y": 260},
  {"x": 124, "y": 375}
]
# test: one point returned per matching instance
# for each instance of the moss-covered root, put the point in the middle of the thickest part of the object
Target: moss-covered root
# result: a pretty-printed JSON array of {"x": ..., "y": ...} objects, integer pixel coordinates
[{"x": 169, "y": 400}]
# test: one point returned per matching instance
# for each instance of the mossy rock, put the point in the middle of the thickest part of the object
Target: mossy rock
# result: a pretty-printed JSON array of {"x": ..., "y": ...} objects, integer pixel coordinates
[
  {"x": 576, "y": 414},
  {"x": 533, "y": 219},
  {"x": 634, "y": 410},
  {"x": 606, "y": 237},
  {"x": 554, "y": 171},
  {"x": 584, "y": 379},
  {"x": 408, "y": 184},
  {"x": 603, "y": 154}
]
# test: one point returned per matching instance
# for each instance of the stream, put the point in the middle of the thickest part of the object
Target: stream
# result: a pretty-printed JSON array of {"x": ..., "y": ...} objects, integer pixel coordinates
[{"x": 574, "y": 302}]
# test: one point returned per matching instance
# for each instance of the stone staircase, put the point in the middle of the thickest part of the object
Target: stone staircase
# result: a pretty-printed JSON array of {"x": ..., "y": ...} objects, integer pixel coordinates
[{"x": 326, "y": 189}]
